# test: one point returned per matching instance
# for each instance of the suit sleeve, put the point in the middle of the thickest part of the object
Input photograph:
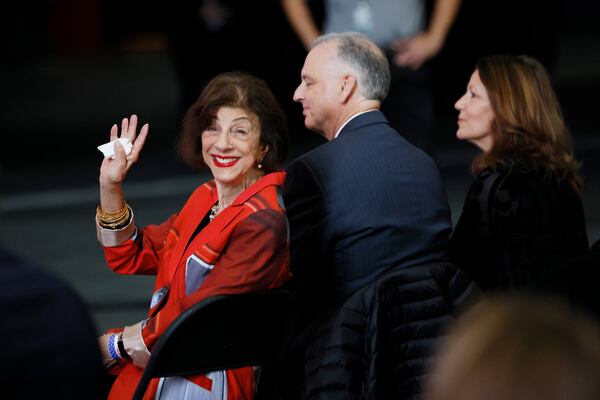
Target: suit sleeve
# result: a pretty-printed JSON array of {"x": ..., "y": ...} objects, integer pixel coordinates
[
  {"x": 306, "y": 209},
  {"x": 139, "y": 255}
]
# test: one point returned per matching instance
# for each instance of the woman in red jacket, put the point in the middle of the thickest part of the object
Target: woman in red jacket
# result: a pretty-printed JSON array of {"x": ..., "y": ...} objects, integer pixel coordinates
[{"x": 230, "y": 237}]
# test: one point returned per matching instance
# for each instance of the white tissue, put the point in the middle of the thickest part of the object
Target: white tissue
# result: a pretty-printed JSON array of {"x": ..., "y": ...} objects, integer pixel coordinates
[{"x": 108, "y": 149}]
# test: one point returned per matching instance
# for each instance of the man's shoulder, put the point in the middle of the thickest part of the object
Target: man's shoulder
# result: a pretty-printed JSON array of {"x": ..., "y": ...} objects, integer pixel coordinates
[
  {"x": 314, "y": 157},
  {"x": 361, "y": 147}
]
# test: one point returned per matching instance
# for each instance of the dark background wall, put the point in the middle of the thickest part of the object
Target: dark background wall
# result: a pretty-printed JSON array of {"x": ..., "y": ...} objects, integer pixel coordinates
[{"x": 63, "y": 63}]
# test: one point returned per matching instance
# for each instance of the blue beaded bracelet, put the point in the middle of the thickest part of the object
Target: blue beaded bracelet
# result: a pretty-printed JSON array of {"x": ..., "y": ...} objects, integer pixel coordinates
[{"x": 113, "y": 351}]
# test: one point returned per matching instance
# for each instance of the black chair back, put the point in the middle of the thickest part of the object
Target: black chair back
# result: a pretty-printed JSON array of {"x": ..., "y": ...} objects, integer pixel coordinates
[
  {"x": 379, "y": 343},
  {"x": 223, "y": 332}
]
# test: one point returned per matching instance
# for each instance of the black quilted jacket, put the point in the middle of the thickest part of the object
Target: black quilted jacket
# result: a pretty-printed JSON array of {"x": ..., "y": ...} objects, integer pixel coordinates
[{"x": 381, "y": 342}]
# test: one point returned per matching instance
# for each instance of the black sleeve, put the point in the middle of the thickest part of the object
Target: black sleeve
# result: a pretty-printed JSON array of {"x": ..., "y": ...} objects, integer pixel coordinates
[
  {"x": 501, "y": 236},
  {"x": 474, "y": 242},
  {"x": 306, "y": 210}
]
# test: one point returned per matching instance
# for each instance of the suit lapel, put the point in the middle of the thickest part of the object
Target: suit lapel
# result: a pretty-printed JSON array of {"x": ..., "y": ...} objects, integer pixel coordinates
[{"x": 190, "y": 216}]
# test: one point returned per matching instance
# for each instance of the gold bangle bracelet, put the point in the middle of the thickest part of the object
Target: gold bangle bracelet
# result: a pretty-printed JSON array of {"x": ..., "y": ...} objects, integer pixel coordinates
[
  {"x": 112, "y": 217},
  {"x": 113, "y": 225}
]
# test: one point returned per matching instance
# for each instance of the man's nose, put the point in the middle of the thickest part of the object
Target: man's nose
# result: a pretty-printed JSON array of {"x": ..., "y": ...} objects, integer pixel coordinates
[{"x": 298, "y": 93}]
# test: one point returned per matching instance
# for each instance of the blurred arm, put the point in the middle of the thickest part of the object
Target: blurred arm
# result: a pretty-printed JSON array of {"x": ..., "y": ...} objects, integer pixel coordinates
[
  {"x": 301, "y": 20},
  {"x": 443, "y": 16},
  {"x": 413, "y": 52}
]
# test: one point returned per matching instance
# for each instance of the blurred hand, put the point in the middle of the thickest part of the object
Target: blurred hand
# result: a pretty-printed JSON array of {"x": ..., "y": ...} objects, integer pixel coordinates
[
  {"x": 107, "y": 360},
  {"x": 414, "y": 51},
  {"x": 114, "y": 170}
]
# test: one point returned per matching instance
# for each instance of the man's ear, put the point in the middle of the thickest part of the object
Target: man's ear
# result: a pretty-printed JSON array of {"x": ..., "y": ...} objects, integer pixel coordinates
[{"x": 348, "y": 86}]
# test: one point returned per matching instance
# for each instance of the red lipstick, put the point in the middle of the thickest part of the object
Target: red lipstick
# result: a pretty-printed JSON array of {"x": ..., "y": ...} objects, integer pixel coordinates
[{"x": 224, "y": 162}]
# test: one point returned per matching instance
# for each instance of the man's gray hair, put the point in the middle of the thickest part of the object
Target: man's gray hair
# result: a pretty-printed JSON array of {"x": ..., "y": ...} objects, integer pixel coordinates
[{"x": 365, "y": 59}]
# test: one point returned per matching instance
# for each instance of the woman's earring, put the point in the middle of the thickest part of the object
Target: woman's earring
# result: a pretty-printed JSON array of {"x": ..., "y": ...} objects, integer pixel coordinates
[{"x": 259, "y": 166}]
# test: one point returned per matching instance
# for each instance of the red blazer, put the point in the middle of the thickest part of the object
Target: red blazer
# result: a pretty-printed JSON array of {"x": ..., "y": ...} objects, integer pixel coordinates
[{"x": 244, "y": 249}]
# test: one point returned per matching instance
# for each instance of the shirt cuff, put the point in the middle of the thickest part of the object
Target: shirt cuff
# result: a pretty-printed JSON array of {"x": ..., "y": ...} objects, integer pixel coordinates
[
  {"x": 115, "y": 237},
  {"x": 133, "y": 341}
]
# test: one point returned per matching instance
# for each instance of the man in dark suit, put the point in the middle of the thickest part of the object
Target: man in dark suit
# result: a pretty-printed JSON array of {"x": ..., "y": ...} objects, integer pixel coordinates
[
  {"x": 367, "y": 201},
  {"x": 48, "y": 344}
]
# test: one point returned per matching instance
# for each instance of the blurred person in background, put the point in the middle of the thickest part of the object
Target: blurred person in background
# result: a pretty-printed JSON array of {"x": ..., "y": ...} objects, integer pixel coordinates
[
  {"x": 515, "y": 347},
  {"x": 49, "y": 348}
]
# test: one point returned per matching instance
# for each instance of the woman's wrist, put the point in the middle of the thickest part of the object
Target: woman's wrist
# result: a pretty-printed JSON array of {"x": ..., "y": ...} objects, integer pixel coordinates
[
  {"x": 110, "y": 185},
  {"x": 112, "y": 197},
  {"x": 121, "y": 348},
  {"x": 112, "y": 348},
  {"x": 115, "y": 348},
  {"x": 114, "y": 220}
]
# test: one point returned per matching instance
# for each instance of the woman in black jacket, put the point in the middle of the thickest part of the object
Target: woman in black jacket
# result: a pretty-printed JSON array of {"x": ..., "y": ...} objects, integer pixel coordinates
[{"x": 523, "y": 213}]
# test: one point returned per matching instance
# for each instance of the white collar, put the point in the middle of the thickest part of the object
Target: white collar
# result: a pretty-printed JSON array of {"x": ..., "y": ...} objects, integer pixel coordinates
[{"x": 351, "y": 118}]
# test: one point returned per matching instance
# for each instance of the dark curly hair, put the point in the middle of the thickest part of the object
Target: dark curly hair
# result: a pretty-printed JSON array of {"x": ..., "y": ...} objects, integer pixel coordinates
[{"x": 240, "y": 90}]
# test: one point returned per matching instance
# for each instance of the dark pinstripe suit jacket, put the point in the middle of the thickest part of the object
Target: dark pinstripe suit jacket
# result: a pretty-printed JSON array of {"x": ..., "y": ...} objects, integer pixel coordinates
[{"x": 359, "y": 205}]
